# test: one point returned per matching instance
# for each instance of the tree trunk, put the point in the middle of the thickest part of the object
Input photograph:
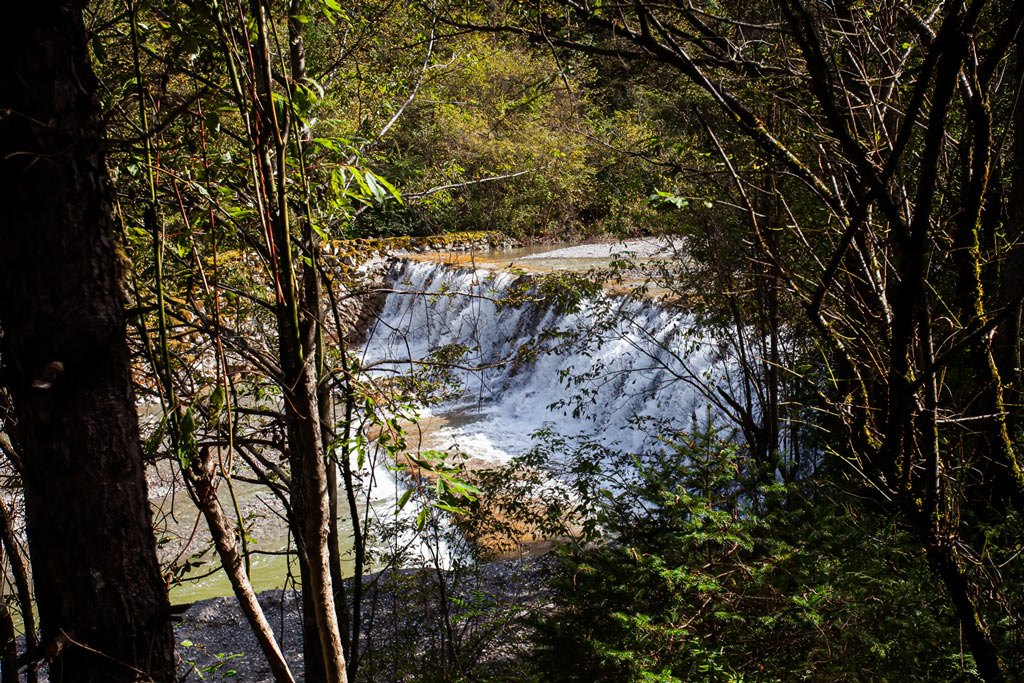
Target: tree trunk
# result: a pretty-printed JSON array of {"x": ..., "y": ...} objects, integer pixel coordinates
[
  {"x": 298, "y": 321},
  {"x": 21, "y": 582},
  {"x": 310, "y": 511},
  {"x": 973, "y": 628},
  {"x": 8, "y": 646},
  {"x": 65, "y": 359},
  {"x": 1007, "y": 340},
  {"x": 202, "y": 477}
]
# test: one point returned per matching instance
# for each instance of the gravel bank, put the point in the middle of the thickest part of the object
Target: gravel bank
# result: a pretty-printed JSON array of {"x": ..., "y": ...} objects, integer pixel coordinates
[{"x": 403, "y": 613}]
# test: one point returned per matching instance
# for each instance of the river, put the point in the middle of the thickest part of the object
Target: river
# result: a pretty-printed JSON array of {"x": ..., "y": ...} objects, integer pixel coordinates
[{"x": 593, "y": 372}]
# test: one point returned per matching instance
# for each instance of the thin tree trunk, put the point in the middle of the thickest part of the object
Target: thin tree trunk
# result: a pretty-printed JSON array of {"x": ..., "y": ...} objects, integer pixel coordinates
[
  {"x": 8, "y": 645},
  {"x": 311, "y": 512},
  {"x": 21, "y": 584},
  {"x": 298, "y": 322},
  {"x": 1007, "y": 341},
  {"x": 357, "y": 535},
  {"x": 1006, "y": 470},
  {"x": 201, "y": 475},
  {"x": 974, "y": 631},
  {"x": 101, "y": 598}
]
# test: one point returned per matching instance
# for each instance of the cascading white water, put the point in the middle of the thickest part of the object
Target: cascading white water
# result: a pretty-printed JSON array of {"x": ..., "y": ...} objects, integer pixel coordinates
[
  {"x": 618, "y": 358},
  {"x": 612, "y": 360}
]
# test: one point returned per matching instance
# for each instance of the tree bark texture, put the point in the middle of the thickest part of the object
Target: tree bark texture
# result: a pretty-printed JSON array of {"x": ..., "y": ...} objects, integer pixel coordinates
[
  {"x": 65, "y": 362},
  {"x": 310, "y": 511}
]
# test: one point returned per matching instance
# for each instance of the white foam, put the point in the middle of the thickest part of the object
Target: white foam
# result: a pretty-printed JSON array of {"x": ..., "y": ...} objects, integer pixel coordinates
[{"x": 627, "y": 358}]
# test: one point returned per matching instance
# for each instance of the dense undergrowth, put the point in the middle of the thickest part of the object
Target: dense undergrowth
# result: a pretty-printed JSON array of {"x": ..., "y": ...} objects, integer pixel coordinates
[
  {"x": 685, "y": 565},
  {"x": 707, "y": 575}
]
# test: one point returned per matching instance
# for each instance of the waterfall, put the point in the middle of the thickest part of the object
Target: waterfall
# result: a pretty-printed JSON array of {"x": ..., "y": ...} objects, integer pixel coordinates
[{"x": 598, "y": 368}]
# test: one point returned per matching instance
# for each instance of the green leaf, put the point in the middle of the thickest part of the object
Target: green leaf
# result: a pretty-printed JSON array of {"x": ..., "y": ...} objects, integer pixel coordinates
[
  {"x": 451, "y": 508},
  {"x": 389, "y": 187}
]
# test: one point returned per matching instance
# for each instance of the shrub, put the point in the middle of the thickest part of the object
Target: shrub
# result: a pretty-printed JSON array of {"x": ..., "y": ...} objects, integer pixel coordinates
[{"x": 702, "y": 577}]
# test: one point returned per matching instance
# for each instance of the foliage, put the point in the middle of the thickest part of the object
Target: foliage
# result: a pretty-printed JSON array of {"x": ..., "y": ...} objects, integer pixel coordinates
[
  {"x": 704, "y": 576},
  {"x": 499, "y": 109},
  {"x": 860, "y": 157},
  {"x": 220, "y": 667},
  {"x": 844, "y": 185}
]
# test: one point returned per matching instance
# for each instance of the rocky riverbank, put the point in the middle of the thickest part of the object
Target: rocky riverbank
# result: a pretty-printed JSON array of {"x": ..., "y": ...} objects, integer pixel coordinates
[{"x": 412, "y": 619}]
